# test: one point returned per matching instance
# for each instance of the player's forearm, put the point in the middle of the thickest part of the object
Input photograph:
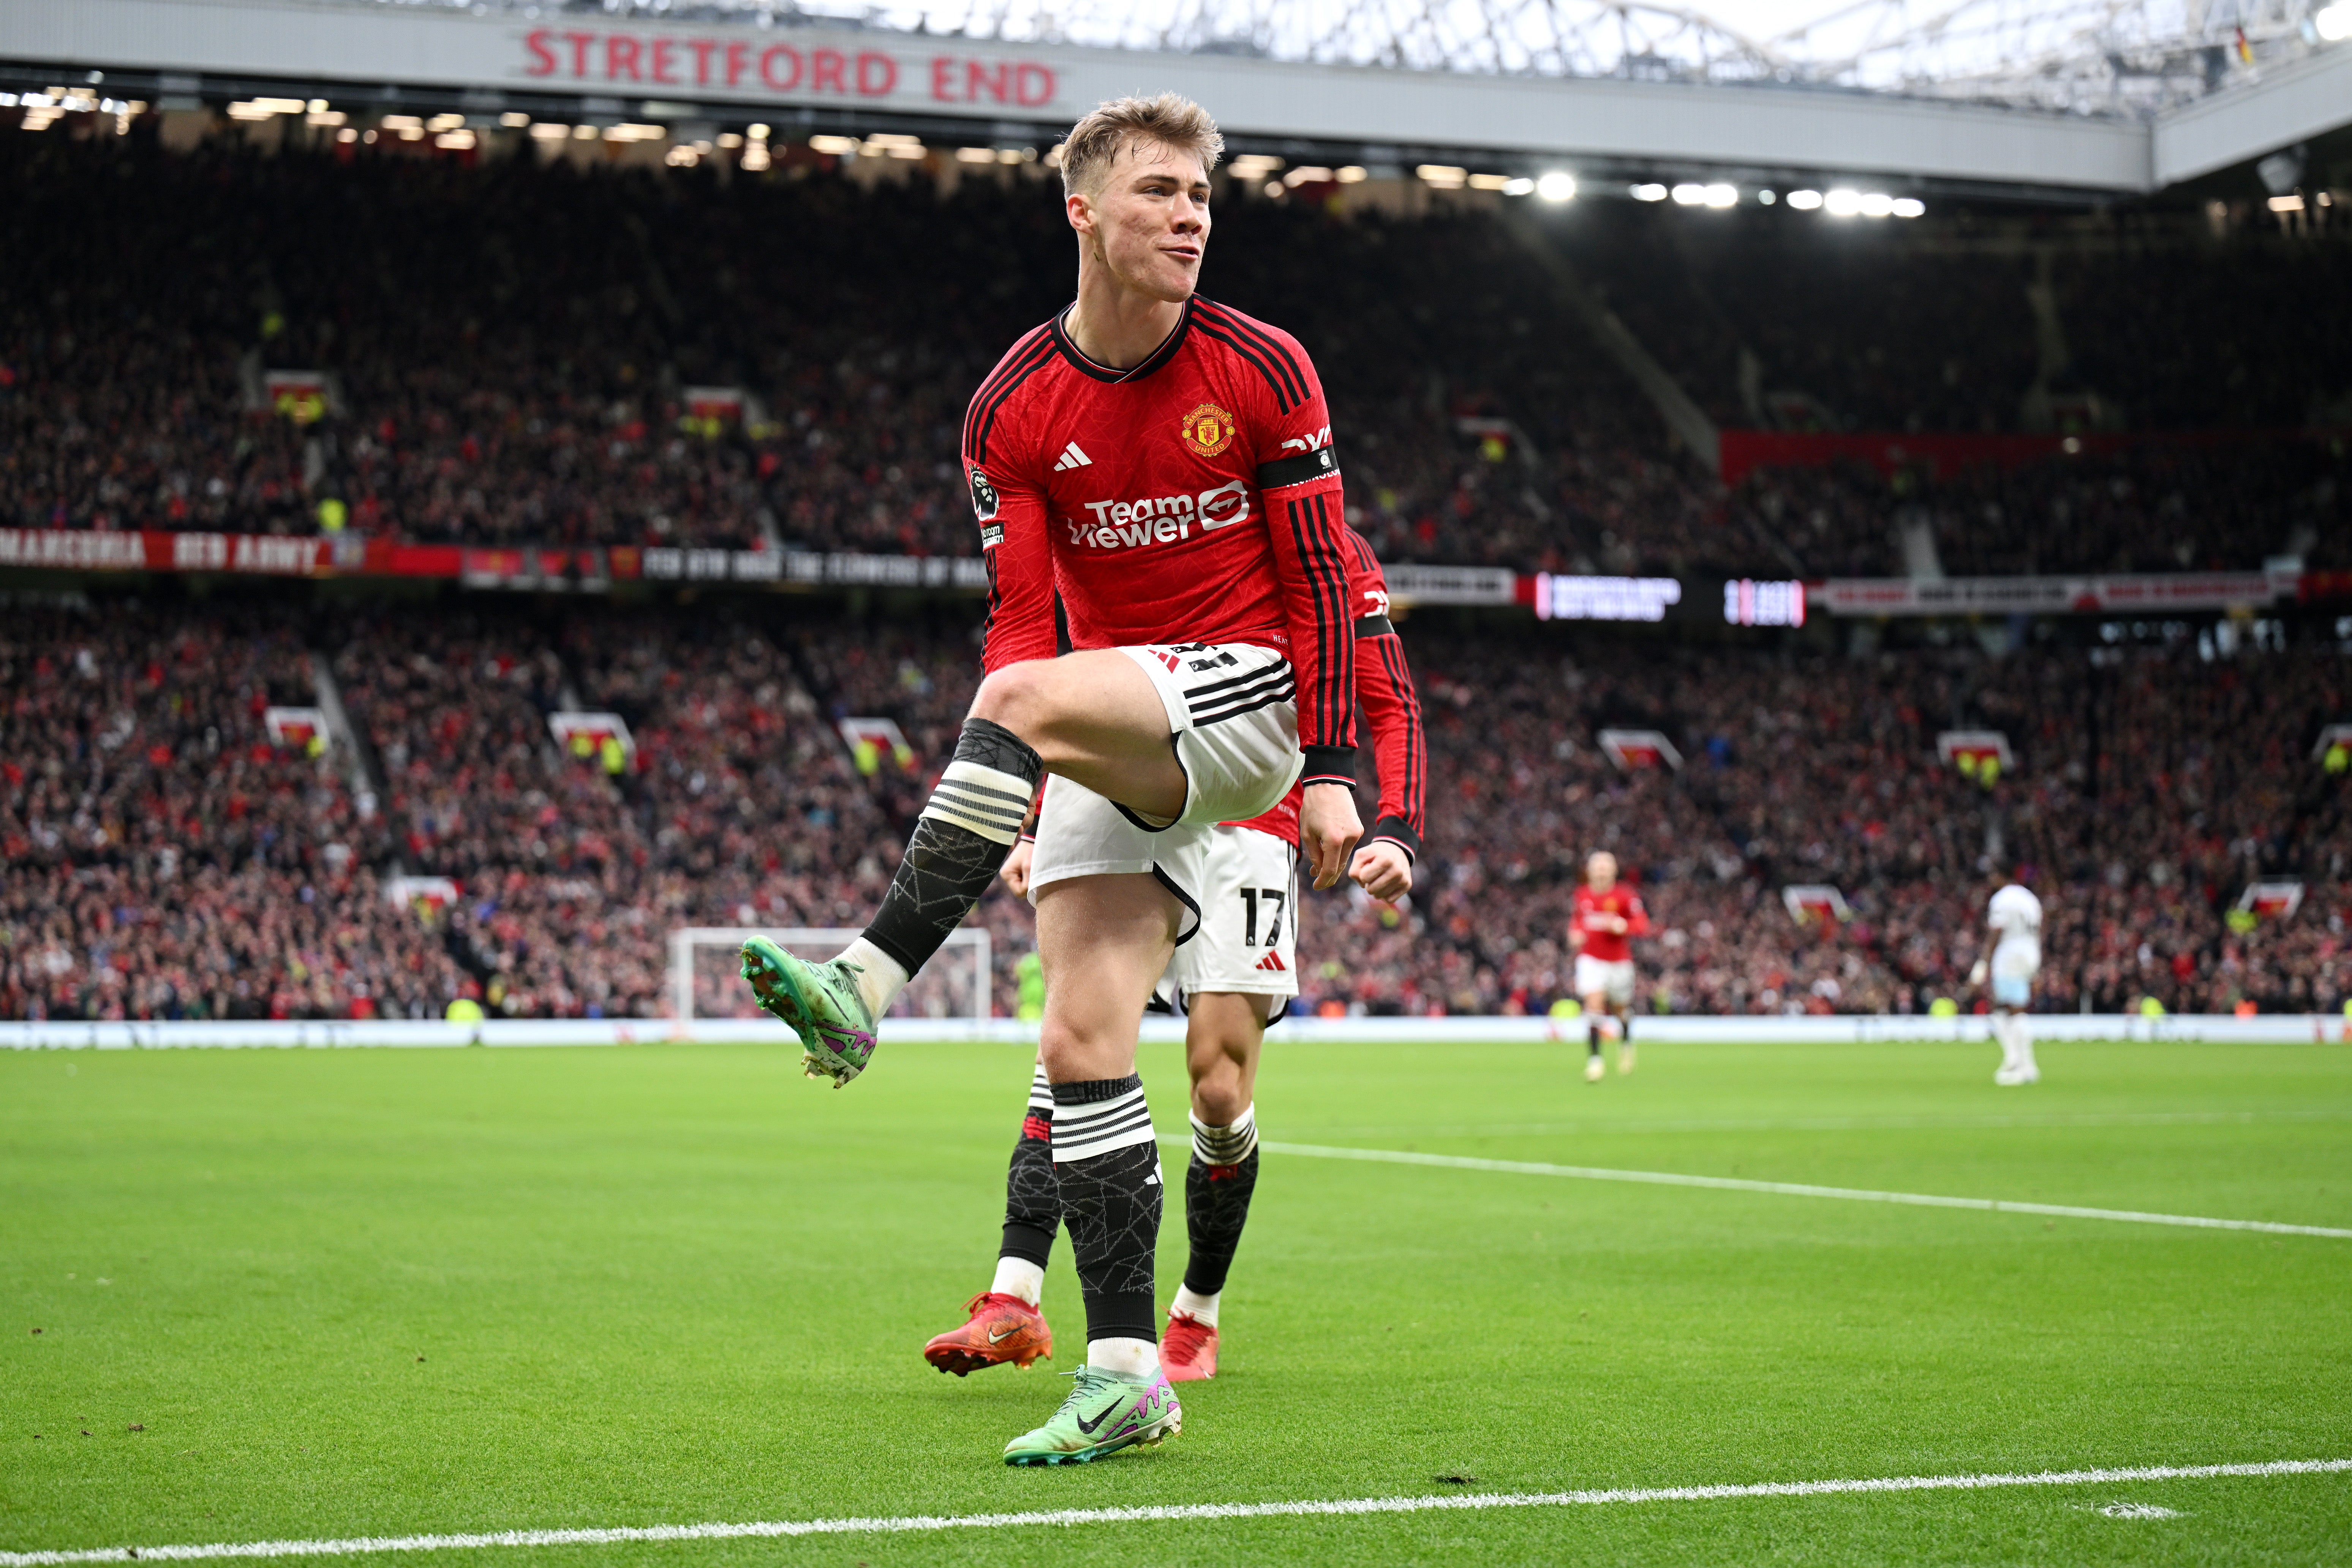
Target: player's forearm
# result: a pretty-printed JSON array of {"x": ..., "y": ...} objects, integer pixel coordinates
[
  {"x": 1020, "y": 602},
  {"x": 1384, "y": 686},
  {"x": 1314, "y": 580}
]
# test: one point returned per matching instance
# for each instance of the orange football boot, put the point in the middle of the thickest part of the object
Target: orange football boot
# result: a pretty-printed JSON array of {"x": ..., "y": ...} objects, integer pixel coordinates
[
  {"x": 1188, "y": 1351},
  {"x": 1002, "y": 1329}
]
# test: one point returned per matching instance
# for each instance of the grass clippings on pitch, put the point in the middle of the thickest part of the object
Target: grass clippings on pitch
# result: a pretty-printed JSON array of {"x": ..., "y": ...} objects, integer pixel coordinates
[{"x": 390, "y": 1292}]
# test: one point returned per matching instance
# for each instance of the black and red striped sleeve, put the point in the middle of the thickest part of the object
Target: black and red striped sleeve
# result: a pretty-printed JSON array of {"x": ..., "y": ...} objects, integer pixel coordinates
[
  {"x": 1009, "y": 504},
  {"x": 1306, "y": 514},
  {"x": 1391, "y": 709}
]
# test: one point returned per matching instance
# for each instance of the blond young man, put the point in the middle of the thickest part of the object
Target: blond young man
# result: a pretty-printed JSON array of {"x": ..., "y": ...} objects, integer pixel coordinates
[{"x": 1164, "y": 466}]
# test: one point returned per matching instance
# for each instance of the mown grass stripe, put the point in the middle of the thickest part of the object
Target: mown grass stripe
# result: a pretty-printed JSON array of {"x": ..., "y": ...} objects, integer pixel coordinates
[
  {"x": 1170, "y": 1512},
  {"x": 1780, "y": 1189}
]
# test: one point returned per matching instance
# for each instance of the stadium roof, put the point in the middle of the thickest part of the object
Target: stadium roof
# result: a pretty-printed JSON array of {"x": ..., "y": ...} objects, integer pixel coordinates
[
  {"x": 1620, "y": 91},
  {"x": 2124, "y": 58}
]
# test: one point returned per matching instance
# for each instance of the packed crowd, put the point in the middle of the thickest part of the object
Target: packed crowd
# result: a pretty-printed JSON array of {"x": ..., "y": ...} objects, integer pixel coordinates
[
  {"x": 1773, "y": 317},
  {"x": 169, "y": 857},
  {"x": 2170, "y": 507},
  {"x": 511, "y": 355}
]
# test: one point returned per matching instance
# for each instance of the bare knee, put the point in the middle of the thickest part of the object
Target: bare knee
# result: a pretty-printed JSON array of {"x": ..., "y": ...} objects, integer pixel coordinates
[
  {"x": 1019, "y": 696},
  {"x": 1222, "y": 1054}
]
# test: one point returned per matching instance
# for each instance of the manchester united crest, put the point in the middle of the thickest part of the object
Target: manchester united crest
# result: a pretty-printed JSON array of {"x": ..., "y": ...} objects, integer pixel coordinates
[{"x": 1206, "y": 431}]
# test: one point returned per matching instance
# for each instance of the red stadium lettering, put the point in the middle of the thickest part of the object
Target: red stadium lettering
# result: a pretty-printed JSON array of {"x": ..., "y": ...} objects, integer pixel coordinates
[
  {"x": 737, "y": 57},
  {"x": 620, "y": 55},
  {"x": 943, "y": 78},
  {"x": 767, "y": 58},
  {"x": 877, "y": 74},
  {"x": 994, "y": 80},
  {"x": 580, "y": 43},
  {"x": 702, "y": 47},
  {"x": 542, "y": 59},
  {"x": 826, "y": 66},
  {"x": 662, "y": 60},
  {"x": 1034, "y": 86}
]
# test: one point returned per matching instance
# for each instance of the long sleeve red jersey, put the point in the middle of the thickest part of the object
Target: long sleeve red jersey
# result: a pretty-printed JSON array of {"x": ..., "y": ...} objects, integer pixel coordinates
[
  {"x": 1391, "y": 711},
  {"x": 1195, "y": 497},
  {"x": 1591, "y": 909}
]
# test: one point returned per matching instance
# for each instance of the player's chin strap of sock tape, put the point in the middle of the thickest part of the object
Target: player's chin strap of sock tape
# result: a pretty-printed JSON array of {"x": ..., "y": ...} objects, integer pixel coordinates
[{"x": 1227, "y": 1145}]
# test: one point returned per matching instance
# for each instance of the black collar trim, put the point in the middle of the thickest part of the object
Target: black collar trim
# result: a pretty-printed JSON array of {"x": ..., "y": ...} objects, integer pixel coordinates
[{"x": 1152, "y": 362}]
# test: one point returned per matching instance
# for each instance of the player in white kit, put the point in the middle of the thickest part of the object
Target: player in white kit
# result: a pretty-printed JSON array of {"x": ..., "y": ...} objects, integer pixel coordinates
[{"x": 2013, "y": 961}]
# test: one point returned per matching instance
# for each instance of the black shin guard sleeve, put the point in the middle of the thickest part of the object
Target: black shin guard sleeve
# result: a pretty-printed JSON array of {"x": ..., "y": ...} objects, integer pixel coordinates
[
  {"x": 1216, "y": 1207},
  {"x": 948, "y": 865},
  {"x": 1111, "y": 1203},
  {"x": 1032, "y": 1199}
]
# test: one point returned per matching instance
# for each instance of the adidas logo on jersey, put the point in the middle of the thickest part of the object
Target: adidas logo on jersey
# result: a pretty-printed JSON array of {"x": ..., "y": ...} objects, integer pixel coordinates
[
  {"x": 1073, "y": 458},
  {"x": 1273, "y": 961}
]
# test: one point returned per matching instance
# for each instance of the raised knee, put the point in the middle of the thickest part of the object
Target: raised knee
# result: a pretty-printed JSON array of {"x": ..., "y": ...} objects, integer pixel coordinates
[{"x": 1016, "y": 696}]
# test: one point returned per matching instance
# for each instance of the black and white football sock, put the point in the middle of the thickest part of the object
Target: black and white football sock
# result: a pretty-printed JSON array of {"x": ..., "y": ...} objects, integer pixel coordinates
[
  {"x": 1033, "y": 1201},
  {"x": 1107, "y": 1168},
  {"x": 959, "y": 843},
  {"x": 1217, "y": 1187}
]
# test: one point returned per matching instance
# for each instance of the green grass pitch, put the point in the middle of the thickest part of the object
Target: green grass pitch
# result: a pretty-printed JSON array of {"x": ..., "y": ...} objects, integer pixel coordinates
[{"x": 367, "y": 1292}]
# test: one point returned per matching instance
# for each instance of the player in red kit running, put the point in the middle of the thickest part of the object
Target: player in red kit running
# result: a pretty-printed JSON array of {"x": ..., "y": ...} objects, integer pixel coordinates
[
  {"x": 1606, "y": 915},
  {"x": 1230, "y": 981},
  {"x": 1162, "y": 465}
]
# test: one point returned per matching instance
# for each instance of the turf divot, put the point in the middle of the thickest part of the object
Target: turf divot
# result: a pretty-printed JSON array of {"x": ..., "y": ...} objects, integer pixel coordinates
[{"x": 368, "y": 1545}]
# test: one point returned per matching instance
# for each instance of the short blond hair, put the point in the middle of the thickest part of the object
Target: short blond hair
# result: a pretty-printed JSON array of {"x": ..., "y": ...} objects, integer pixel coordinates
[{"x": 1171, "y": 121}]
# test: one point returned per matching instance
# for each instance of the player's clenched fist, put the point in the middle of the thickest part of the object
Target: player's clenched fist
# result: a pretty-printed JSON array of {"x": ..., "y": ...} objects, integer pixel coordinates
[
  {"x": 1327, "y": 829},
  {"x": 1016, "y": 866},
  {"x": 1383, "y": 869}
]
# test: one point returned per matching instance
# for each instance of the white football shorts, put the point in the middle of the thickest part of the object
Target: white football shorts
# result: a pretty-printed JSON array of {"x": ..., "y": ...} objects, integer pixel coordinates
[
  {"x": 1248, "y": 940},
  {"x": 2014, "y": 966},
  {"x": 1231, "y": 711},
  {"x": 1613, "y": 979}
]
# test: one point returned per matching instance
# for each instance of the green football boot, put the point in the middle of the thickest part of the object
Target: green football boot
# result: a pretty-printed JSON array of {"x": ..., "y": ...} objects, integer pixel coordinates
[
  {"x": 821, "y": 1002},
  {"x": 1104, "y": 1414}
]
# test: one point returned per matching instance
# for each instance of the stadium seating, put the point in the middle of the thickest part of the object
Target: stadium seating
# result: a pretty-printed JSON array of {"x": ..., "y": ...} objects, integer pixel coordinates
[
  {"x": 168, "y": 859},
  {"x": 510, "y": 351}
]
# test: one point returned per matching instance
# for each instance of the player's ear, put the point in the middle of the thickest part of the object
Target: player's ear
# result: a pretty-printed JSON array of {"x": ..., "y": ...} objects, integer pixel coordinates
[{"x": 1080, "y": 209}]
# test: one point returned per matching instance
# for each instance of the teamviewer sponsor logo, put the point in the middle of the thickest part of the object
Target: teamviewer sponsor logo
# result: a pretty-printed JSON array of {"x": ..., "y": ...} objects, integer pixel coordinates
[{"x": 1160, "y": 520}]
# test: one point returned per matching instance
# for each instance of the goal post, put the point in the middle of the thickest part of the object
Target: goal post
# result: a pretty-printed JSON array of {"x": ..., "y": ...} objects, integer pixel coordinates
[{"x": 706, "y": 977}]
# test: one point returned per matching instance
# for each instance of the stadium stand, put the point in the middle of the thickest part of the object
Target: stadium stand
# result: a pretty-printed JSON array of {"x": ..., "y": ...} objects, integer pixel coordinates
[
  {"x": 169, "y": 859},
  {"x": 510, "y": 354}
]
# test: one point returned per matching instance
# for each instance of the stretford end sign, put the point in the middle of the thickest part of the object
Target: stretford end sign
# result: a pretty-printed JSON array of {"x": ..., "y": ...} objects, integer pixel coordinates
[{"x": 801, "y": 67}]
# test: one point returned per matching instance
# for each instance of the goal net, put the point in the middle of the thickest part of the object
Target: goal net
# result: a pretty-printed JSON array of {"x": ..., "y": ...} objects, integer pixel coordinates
[{"x": 705, "y": 971}]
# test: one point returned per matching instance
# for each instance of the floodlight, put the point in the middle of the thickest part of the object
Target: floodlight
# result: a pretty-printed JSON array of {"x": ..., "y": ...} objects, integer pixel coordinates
[
  {"x": 1722, "y": 195},
  {"x": 1841, "y": 203},
  {"x": 1877, "y": 204},
  {"x": 1519, "y": 187},
  {"x": 2335, "y": 24},
  {"x": 1766, "y": 197},
  {"x": 1557, "y": 186},
  {"x": 1689, "y": 195},
  {"x": 1909, "y": 206},
  {"x": 1804, "y": 201},
  {"x": 1649, "y": 193}
]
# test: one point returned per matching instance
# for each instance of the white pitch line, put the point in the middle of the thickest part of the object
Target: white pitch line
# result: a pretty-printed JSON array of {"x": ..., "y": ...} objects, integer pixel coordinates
[
  {"x": 1782, "y": 1189},
  {"x": 1170, "y": 1512}
]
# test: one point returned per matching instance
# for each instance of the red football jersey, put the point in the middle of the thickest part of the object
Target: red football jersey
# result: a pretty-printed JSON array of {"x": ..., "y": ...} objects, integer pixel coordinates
[
  {"x": 1609, "y": 946},
  {"x": 1384, "y": 686},
  {"x": 1194, "y": 499}
]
